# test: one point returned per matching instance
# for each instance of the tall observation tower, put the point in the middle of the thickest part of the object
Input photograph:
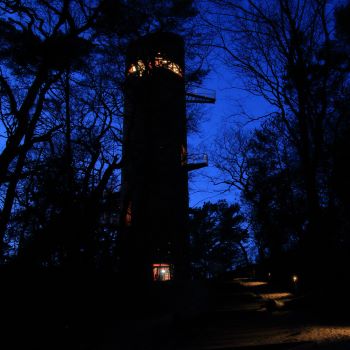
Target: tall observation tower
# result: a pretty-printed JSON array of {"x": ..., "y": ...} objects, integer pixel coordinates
[{"x": 156, "y": 163}]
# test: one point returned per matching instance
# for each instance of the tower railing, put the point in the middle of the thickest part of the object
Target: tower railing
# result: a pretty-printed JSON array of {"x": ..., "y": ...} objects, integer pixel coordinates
[
  {"x": 195, "y": 161},
  {"x": 198, "y": 94}
]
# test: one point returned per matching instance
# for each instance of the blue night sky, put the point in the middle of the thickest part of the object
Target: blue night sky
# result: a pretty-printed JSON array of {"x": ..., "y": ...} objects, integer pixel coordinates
[{"x": 231, "y": 99}]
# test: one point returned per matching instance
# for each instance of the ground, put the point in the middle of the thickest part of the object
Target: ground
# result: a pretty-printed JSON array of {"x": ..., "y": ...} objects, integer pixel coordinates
[
  {"x": 253, "y": 315},
  {"x": 240, "y": 314}
]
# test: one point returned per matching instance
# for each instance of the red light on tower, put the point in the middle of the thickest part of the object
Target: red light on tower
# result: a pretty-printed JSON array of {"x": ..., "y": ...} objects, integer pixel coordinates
[{"x": 161, "y": 272}]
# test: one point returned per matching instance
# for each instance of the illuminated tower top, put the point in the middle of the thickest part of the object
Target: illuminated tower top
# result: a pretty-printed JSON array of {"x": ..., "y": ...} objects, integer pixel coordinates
[{"x": 158, "y": 51}]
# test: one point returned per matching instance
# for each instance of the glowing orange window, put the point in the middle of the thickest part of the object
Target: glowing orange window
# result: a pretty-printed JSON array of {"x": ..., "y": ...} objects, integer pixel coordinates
[{"x": 161, "y": 272}]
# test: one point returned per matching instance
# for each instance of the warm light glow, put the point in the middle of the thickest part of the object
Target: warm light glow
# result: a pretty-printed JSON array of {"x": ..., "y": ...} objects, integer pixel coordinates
[
  {"x": 161, "y": 272},
  {"x": 175, "y": 68},
  {"x": 138, "y": 68},
  {"x": 329, "y": 333},
  {"x": 159, "y": 62},
  {"x": 164, "y": 63},
  {"x": 252, "y": 283},
  {"x": 295, "y": 278},
  {"x": 275, "y": 296}
]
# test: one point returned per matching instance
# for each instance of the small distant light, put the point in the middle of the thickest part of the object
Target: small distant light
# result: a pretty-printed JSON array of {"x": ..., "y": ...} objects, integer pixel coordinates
[
  {"x": 295, "y": 278},
  {"x": 269, "y": 274},
  {"x": 162, "y": 271}
]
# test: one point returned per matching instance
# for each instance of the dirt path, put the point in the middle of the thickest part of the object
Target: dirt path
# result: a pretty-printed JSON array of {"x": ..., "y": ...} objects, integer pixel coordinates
[{"x": 239, "y": 319}]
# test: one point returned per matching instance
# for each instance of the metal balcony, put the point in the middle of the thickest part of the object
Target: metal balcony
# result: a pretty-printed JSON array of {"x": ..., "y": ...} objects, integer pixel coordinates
[
  {"x": 200, "y": 95},
  {"x": 195, "y": 161}
]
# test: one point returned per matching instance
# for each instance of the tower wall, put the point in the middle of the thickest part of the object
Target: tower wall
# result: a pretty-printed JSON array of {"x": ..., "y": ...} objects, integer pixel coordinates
[{"x": 154, "y": 180}]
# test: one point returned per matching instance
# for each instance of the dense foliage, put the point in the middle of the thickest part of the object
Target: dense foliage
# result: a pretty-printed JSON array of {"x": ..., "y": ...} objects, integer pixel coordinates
[
  {"x": 61, "y": 109},
  {"x": 292, "y": 170},
  {"x": 218, "y": 239}
]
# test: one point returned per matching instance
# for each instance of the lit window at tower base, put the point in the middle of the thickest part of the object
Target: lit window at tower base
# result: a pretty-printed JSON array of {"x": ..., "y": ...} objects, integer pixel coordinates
[{"x": 161, "y": 272}]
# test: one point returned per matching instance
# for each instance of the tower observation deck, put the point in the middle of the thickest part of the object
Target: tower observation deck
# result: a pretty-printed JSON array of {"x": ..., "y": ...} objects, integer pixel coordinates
[{"x": 156, "y": 164}]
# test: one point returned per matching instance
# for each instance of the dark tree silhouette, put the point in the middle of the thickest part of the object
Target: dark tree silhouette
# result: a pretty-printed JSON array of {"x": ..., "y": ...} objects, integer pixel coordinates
[
  {"x": 218, "y": 239},
  {"x": 287, "y": 53},
  {"x": 62, "y": 75}
]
